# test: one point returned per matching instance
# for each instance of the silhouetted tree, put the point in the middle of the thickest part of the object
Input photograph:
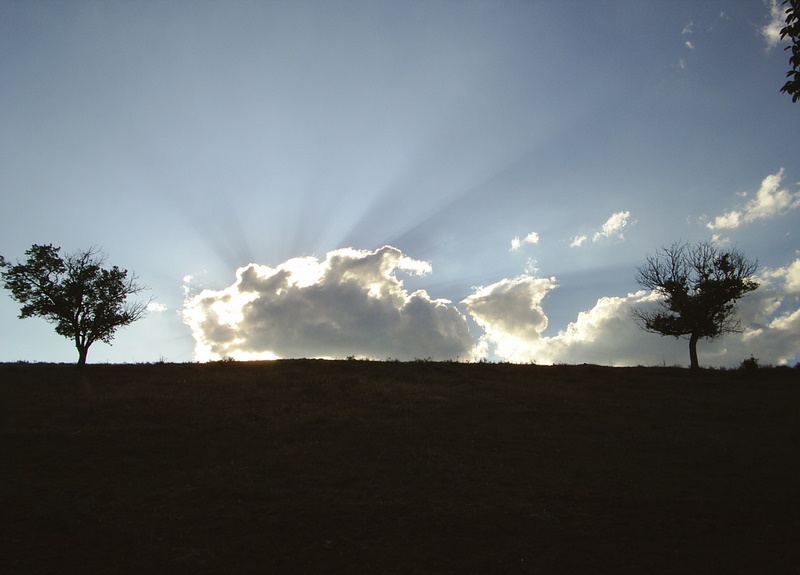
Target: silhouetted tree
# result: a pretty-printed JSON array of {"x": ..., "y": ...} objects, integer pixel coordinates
[
  {"x": 83, "y": 299},
  {"x": 792, "y": 30},
  {"x": 700, "y": 285}
]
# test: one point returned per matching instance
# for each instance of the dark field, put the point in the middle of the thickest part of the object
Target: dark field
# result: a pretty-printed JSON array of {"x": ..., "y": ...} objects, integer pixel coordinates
[{"x": 361, "y": 467}]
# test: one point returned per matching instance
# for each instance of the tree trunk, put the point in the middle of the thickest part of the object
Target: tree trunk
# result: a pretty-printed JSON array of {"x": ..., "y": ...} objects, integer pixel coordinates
[
  {"x": 83, "y": 350},
  {"x": 693, "y": 364}
]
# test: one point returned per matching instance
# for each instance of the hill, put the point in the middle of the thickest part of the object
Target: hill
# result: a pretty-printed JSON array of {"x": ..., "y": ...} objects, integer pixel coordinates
[{"x": 303, "y": 466}]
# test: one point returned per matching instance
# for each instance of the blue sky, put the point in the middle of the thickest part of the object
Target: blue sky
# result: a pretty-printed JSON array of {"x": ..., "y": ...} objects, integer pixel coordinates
[{"x": 407, "y": 179}]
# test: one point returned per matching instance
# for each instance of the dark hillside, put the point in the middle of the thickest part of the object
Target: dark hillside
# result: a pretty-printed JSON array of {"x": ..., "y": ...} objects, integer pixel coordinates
[{"x": 370, "y": 467}]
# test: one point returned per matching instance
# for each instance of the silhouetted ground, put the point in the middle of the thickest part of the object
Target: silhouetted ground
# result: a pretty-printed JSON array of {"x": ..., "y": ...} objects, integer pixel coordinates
[{"x": 368, "y": 467}]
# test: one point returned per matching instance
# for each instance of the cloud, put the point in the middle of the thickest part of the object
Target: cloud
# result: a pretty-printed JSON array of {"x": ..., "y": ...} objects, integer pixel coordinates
[
  {"x": 156, "y": 307},
  {"x": 611, "y": 229},
  {"x": 513, "y": 317},
  {"x": 531, "y": 238},
  {"x": 613, "y": 226},
  {"x": 510, "y": 313},
  {"x": 777, "y": 20},
  {"x": 350, "y": 303},
  {"x": 578, "y": 241},
  {"x": 769, "y": 202},
  {"x": 788, "y": 275},
  {"x": 719, "y": 240},
  {"x": 689, "y": 45}
]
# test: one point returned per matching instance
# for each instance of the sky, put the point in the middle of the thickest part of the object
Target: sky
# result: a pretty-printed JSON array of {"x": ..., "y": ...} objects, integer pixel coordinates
[{"x": 400, "y": 179}]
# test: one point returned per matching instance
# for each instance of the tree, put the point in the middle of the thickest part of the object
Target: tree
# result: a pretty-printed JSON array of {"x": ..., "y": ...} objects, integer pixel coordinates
[
  {"x": 84, "y": 300},
  {"x": 792, "y": 30},
  {"x": 700, "y": 285}
]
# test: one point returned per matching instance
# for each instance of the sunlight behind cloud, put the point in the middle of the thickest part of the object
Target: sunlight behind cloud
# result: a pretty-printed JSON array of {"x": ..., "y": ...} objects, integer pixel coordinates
[
  {"x": 350, "y": 304},
  {"x": 513, "y": 317},
  {"x": 772, "y": 30},
  {"x": 510, "y": 313}
]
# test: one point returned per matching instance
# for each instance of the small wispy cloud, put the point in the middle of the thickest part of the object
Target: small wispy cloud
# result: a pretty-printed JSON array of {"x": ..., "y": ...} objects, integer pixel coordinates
[
  {"x": 719, "y": 240},
  {"x": 531, "y": 238},
  {"x": 531, "y": 266},
  {"x": 611, "y": 229},
  {"x": 156, "y": 307},
  {"x": 771, "y": 200},
  {"x": 689, "y": 45},
  {"x": 777, "y": 19},
  {"x": 613, "y": 226},
  {"x": 578, "y": 241}
]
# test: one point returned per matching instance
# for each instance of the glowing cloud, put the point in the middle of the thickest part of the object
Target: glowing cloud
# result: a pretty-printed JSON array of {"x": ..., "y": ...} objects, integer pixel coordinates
[
  {"x": 349, "y": 304},
  {"x": 772, "y": 30},
  {"x": 770, "y": 201},
  {"x": 511, "y": 313},
  {"x": 531, "y": 238}
]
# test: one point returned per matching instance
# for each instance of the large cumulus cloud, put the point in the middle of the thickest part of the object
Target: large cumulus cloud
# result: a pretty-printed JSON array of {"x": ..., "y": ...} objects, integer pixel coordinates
[
  {"x": 513, "y": 318},
  {"x": 350, "y": 304}
]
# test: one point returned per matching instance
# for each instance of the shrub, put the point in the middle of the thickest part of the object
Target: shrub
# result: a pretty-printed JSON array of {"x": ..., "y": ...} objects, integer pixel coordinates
[{"x": 749, "y": 364}]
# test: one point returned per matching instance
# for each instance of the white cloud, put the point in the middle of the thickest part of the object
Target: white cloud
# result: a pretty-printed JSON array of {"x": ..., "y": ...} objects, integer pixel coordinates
[
  {"x": 613, "y": 226},
  {"x": 350, "y": 303},
  {"x": 510, "y": 313},
  {"x": 788, "y": 275},
  {"x": 771, "y": 200},
  {"x": 513, "y": 317},
  {"x": 611, "y": 229},
  {"x": 531, "y": 238},
  {"x": 156, "y": 307},
  {"x": 688, "y": 28},
  {"x": 777, "y": 20},
  {"x": 719, "y": 240},
  {"x": 578, "y": 241},
  {"x": 689, "y": 45}
]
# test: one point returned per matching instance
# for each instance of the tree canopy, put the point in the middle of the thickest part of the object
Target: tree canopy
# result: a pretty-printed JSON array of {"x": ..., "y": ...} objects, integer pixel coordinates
[
  {"x": 699, "y": 286},
  {"x": 792, "y": 31},
  {"x": 85, "y": 301}
]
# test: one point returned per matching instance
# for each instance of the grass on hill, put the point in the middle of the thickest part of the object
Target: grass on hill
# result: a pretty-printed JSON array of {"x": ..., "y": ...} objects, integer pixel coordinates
[{"x": 303, "y": 466}]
